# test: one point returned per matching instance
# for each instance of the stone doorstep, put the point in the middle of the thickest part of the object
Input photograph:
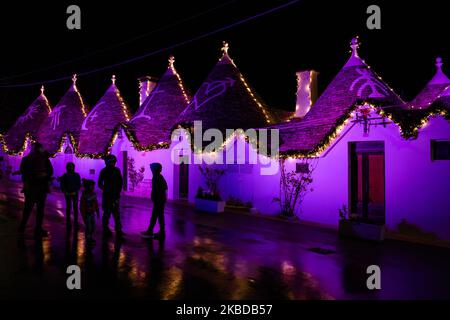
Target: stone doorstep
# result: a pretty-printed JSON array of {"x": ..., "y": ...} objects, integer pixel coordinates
[
  {"x": 390, "y": 234},
  {"x": 394, "y": 235}
]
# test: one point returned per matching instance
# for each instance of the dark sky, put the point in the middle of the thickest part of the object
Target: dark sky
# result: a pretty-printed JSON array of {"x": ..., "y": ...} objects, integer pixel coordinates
[{"x": 311, "y": 34}]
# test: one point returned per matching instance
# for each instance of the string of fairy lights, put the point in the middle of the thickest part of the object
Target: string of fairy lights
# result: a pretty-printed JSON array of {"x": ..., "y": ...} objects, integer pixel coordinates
[
  {"x": 43, "y": 96},
  {"x": 180, "y": 82},
  {"x": 225, "y": 48},
  {"x": 408, "y": 128},
  {"x": 83, "y": 105},
  {"x": 124, "y": 106}
]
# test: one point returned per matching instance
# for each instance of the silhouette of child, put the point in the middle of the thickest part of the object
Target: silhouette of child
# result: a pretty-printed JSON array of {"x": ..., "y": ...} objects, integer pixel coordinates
[{"x": 89, "y": 208}]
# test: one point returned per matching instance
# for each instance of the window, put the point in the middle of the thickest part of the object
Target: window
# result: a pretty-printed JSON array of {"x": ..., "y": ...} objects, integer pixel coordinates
[
  {"x": 440, "y": 149},
  {"x": 68, "y": 150},
  {"x": 302, "y": 168}
]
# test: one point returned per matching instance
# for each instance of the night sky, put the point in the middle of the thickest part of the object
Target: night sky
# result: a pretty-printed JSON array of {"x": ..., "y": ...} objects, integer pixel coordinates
[{"x": 311, "y": 34}]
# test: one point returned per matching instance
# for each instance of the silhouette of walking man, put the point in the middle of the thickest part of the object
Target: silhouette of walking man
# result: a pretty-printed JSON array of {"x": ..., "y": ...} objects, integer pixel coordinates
[
  {"x": 110, "y": 182},
  {"x": 159, "y": 198},
  {"x": 36, "y": 170},
  {"x": 70, "y": 185}
]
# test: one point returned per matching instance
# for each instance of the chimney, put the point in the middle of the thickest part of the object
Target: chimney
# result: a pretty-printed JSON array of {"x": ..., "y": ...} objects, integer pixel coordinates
[
  {"x": 146, "y": 85},
  {"x": 306, "y": 92}
]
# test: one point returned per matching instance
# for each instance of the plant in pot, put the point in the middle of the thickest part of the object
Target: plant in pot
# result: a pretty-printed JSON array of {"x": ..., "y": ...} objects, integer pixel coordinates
[
  {"x": 294, "y": 185},
  {"x": 356, "y": 226},
  {"x": 135, "y": 176},
  {"x": 209, "y": 200}
]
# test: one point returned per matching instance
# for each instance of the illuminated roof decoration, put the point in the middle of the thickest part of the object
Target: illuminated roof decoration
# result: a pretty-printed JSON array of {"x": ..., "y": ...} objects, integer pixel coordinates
[
  {"x": 99, "y": 127},
  {"x": 355, "y": 82},
  {"x": 66, "y": 118},
  {"x": 27, "y": 125},
  {"x": 226, "y": 101},
  {"x": 433, "y": 88},
  {"x": 150, "y": 128}
]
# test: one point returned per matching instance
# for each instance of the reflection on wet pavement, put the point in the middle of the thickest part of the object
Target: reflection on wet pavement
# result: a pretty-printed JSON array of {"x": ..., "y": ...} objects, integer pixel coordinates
[{"x": 226, "y": 256}]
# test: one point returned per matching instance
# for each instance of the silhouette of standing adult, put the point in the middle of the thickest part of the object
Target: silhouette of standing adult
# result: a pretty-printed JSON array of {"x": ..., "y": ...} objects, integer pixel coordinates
[
  {"x": 36, "y": 170},
  {"x": 159, "y": 198},
  {"x": 110, "y": 182},
  {"x": 70, "y": 184}
]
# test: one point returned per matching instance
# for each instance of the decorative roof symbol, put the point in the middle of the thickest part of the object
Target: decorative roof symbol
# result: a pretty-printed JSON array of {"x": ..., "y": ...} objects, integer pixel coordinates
[
  {"x": 213, "y": 90},
  {"x": 29, "y": 114},
  {"x": 92, "y": 115},
  {"x": 55, "y": 116},
  {"x": 367, "y": 80},
  {"x": 143, "y": 113}
]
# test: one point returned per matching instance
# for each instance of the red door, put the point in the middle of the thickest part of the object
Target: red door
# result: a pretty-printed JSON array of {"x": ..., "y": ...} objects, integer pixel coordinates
[
  {"x": 367, "y": 184},
  {"x": 183, "y": 190}
]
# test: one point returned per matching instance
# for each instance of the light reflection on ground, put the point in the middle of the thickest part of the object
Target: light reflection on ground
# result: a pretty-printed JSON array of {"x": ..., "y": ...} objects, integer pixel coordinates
[{"x": 227, "y": 256}]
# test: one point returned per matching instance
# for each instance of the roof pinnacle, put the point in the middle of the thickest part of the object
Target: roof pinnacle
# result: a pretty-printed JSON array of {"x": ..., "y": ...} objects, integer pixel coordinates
[
  {"x": 171, "y": 62},
  {"x": 354, "y": 44},
  {"x": 225, "y": 47}
]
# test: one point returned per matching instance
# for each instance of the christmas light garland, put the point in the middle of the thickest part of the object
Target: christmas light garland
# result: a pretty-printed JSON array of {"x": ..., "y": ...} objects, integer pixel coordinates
[
  {"x": 122, "y": 102},
  {"x": 409, "y": 125},
  {"x": 28, "y": 138},
  {"x": 129, "y": 132},
  {"x": 83, "y": 106}
]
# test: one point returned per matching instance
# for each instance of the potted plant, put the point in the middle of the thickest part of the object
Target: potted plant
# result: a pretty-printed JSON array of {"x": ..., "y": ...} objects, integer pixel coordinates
[
  {"x": 209, "y": 200},
  {"x": 294, "y": 185},
  {"x": 135, "y": 176},
  {"x": 355, "y": 226}
]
